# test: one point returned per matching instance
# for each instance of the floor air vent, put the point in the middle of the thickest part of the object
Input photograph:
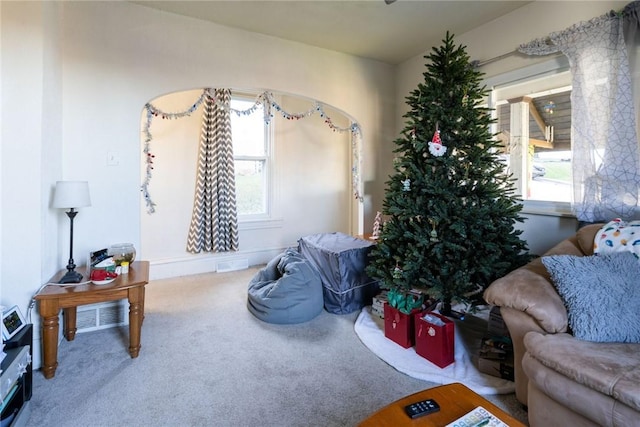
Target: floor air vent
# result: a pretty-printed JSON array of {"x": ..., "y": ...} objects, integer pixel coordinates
[
  {"x": 233, "y": 265},
  {"x": 101, "y": 316}
]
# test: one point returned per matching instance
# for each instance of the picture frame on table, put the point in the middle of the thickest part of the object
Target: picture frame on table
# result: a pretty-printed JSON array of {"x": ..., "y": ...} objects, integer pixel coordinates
[{"x": 12, "y": 322}]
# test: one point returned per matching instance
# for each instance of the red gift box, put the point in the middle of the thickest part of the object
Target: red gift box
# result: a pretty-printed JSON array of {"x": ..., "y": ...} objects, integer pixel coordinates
[
  {"x": 435, "y": 340},
  {"x": 399, "y": 327}
]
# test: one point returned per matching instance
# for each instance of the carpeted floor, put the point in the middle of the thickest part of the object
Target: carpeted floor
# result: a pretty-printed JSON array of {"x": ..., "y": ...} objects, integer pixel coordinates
[{"x": 206, "y": 361}]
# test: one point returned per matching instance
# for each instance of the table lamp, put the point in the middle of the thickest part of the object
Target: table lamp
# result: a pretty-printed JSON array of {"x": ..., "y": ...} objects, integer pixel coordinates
[{"x": 71, "y": 195}]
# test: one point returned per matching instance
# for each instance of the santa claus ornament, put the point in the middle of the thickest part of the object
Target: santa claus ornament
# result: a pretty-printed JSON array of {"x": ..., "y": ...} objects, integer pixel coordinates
[{"x": 435, "y": 146}]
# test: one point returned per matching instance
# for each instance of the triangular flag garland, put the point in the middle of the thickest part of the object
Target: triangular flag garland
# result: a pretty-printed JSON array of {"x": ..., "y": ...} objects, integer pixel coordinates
[{"x": 269, "y": 104}]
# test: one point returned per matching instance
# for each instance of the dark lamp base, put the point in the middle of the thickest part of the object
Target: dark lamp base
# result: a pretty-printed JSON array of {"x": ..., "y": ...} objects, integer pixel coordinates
[{"x": 71, "y": 276}]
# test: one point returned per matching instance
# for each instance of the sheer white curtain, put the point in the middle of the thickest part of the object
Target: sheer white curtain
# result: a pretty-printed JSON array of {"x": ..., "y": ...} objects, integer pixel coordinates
[
  {"x": 214, "y": 219},
  {"x": 606, "y": 162}
]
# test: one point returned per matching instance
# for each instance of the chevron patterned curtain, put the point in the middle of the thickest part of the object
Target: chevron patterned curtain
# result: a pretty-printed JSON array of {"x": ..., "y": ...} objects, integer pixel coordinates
[{"x": 214, "y": 220}]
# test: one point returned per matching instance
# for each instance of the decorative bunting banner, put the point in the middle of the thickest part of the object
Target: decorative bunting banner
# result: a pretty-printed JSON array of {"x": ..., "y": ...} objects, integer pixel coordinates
[{"x": 269, "y": 104}]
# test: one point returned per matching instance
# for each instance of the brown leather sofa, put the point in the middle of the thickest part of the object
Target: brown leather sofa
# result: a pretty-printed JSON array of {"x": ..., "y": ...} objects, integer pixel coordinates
[{"x": 564, "y": 381}]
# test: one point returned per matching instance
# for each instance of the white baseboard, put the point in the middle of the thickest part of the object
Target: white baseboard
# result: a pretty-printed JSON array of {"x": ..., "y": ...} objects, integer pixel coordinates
[
  {"x": 232, "y": 265},
  {"x": 36, "y": 359},
  {"x": 210, "y": 263}
]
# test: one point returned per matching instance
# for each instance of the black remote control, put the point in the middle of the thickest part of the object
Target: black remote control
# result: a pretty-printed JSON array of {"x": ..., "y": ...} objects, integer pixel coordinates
[{"x": 424, "y": 407}]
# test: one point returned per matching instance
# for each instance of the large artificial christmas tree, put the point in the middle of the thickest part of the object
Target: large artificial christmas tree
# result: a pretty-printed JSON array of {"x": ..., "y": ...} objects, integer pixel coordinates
[{"x": 450, "y": 204}]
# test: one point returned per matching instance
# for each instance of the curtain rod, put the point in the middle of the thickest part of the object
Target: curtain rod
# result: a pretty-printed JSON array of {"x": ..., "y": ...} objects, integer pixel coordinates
[
  {"x": 612, "y": 13},
  {"x": 477, "y": 63}
]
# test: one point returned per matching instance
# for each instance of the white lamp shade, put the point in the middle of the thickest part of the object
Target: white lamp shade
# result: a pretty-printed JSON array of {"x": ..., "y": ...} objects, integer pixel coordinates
[{"x": 71, "y": 194}]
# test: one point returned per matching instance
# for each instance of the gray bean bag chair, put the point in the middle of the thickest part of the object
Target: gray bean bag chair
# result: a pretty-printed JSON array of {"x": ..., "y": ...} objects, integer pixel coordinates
[{"x": 288, "y": 290}]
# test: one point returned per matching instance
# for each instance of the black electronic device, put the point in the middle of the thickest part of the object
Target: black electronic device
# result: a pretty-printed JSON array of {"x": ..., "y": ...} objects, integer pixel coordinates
[
  {"x": 17, "y": 390},
  {"x": 96, "y": 257},
  {"x": 421, "y": 408},
  {"x": 12, "y": 322}
]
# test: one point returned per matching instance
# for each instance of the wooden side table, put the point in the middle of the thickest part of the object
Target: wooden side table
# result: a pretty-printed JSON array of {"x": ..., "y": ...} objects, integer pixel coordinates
[
  {"x": 53, "y": 298},
  {"x": 455, "y": 400}
]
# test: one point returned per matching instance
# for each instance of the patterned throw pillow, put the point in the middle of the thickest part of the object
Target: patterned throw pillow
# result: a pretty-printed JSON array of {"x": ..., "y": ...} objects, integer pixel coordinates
[{"x": 618, "y": 236}]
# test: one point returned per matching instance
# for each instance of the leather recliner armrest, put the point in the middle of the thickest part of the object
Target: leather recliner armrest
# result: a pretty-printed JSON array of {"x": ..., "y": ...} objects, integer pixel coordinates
[{"x": 530, "y": 292}]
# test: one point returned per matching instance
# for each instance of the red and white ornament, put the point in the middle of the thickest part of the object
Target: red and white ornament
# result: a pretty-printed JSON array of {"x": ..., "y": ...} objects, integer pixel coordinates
[{"x": 435, "y": 146}]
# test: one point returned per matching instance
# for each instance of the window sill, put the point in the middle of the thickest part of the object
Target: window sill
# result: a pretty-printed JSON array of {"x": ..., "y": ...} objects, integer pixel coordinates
[
  {"x": 259, "y": 224},
  {"x": 547, "y": 208}
]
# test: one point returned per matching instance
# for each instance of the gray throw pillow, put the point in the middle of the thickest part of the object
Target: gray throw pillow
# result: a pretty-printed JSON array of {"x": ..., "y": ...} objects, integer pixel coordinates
[{"x": 601, "y": 294}]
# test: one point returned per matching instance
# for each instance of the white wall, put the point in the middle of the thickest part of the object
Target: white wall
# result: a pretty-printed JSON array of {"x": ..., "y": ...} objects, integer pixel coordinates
[
  {"x": 125, "y": 55},
  {"x": 31, "y": 150},
  {"x": 501, "y": 36},
  {"x": 311, "y": 185},
  {"x": 75, "y": 77}
]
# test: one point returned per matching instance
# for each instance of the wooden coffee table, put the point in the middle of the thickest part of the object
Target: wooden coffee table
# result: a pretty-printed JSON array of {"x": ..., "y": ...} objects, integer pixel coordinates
[{"x": 455, "y": 400}]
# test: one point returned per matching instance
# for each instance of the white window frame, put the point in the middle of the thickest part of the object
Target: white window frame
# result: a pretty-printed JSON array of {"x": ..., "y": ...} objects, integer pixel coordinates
[
  {"x": 554, "y": 66},
  {"x": 265, "y": 219}
]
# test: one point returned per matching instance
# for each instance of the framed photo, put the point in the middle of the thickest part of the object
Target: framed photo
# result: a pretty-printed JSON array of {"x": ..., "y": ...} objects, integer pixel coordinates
[{"x": 12, "y": 322}]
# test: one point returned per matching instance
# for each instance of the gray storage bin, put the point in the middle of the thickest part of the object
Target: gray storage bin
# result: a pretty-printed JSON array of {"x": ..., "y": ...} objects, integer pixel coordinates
[{"x": 341, "y": 260}]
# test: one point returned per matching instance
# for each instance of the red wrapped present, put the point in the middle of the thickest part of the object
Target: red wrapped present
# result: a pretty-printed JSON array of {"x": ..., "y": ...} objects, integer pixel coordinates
[
  {"x": 399, "y": 326},
  {"x": 435, "y": 338}
]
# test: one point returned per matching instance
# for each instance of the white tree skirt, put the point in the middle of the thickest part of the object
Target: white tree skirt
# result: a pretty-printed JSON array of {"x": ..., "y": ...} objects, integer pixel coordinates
[{"x": 468, "y": 335}]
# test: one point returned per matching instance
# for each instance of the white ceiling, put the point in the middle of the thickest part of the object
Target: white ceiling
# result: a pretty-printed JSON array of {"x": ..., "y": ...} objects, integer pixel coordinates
[{"x": 390, "y": 33}]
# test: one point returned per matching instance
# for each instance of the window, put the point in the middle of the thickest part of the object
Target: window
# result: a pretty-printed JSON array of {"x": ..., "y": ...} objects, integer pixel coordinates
[
  {"x": 251, "y": 152},
  {"x": 534, "y": 126}
]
